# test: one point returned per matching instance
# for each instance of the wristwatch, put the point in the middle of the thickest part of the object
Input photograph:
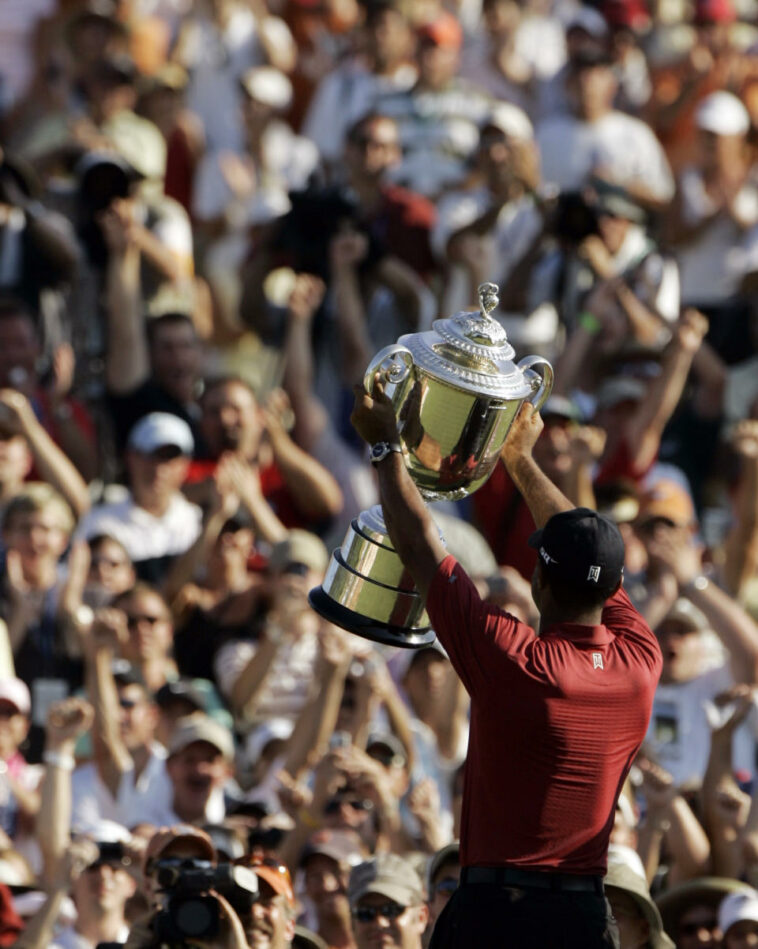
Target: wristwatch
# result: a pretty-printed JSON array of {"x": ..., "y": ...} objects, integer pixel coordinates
[{"x": 380, "y": 450}]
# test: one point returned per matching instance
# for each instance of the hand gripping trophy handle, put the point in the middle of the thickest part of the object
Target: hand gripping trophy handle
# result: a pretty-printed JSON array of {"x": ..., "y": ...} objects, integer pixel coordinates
[
  {"x": 393, "y": 363},
  {"x": 543, "y": 383}
]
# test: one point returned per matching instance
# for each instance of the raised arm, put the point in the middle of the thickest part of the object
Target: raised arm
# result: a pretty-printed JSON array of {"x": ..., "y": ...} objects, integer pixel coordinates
[
  {"x": 543, "y": 498},
  {"x": 311, "y": 418},
  {"x": 66, "y": 721},
  {"x": 126, "y": 359},
  {"x": 51, "y": 463},
  {"x": 111, "y": 755},
  {"x": 725, "y": 806},
  {"x": 662, "y": 396},
  {"x": 741, "y": 547},
  {"x": 413, "y": 532},
  {"x": 733, "y": 625},
  {"x": 315, "y": 488}
]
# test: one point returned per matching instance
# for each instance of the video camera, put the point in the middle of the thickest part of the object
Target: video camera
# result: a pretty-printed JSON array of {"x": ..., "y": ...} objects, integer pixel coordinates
[{"x": 191, "y": 910}]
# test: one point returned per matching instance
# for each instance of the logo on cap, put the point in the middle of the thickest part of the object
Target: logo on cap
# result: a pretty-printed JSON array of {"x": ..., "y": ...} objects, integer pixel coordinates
[
  {"x": 594, "y": 574},
  {"x": 597, "y": 660},
  {"x": 546, "y": 556}
]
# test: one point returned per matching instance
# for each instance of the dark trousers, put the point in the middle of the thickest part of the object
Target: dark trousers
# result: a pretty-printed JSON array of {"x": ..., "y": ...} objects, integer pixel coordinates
[{"x": 494, "y": 916}]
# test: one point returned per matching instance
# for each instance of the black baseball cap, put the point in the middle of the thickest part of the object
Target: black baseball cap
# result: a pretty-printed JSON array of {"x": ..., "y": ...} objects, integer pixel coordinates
[{"x": 581, "y": 547}]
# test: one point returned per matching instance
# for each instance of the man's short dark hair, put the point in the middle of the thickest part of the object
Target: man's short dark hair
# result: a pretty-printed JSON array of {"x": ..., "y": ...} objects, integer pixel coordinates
[
  {"x": 354, "y": 130},
  {"x": 153, "y": 325}
]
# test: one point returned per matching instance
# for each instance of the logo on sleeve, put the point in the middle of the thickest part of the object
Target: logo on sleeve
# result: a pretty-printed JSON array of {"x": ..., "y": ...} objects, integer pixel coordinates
[
  {"x": 594, "y": 574},
  {"x": 597, "y": 660}
]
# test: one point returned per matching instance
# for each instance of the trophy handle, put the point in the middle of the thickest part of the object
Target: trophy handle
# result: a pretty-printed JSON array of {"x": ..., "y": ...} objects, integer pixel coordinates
[
  {"x": 542, "y": 383},
  {"x": 387, "y": 364}
]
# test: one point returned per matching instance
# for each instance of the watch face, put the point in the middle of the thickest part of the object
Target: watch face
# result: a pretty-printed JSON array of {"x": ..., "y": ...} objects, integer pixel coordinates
[{"x": 379, "y": 450}]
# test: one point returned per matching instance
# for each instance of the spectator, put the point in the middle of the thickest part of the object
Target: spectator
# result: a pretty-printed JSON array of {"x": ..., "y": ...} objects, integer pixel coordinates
[
  {"x": 715, "y": 208},
  {"x": 443, "y": 877},
  {"x": 639, "y": 922},
  {"x": 384, "y": 65},
  {"x": 690, "y": 911},
  {"x": 199, "y": 765},
  {"x": 154, "y": 522},
  {"x": 601, "y": 140},
  {"x": 300, "y": 491},
  {"x": 65, "y": 420},
  {"x": 435, "y": 152},
  {"x": 386, "y": 896},
  {"x": 326, "y": 862}
]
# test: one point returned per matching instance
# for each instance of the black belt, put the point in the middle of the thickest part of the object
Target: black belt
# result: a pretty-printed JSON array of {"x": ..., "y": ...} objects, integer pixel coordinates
[{"x": 543, "y": 880}]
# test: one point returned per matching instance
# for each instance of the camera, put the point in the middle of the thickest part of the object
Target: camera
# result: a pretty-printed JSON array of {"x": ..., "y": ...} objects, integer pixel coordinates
[
  {"x": 574, "y": 217},
  {"x": 191, "y": 911}
]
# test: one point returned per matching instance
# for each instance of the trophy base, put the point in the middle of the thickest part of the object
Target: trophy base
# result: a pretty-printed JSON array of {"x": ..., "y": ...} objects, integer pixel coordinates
[{"x": 367, "y": 628}]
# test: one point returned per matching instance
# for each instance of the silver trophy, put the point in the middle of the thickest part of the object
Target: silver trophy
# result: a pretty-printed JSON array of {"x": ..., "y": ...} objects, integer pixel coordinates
[{"x": 456, "y": 391}]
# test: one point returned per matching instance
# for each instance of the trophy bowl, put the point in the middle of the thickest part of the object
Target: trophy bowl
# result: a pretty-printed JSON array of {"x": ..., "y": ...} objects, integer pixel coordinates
[{"x": 455, "y": 391}]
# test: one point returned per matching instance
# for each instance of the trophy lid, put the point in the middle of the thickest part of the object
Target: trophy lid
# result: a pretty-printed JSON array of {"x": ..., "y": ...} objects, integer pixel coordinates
[{"x": 471, "y": 351}]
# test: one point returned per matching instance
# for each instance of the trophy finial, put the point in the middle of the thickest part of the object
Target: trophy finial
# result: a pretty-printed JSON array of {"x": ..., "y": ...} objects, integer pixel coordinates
[{"x": 488, "y": 298}]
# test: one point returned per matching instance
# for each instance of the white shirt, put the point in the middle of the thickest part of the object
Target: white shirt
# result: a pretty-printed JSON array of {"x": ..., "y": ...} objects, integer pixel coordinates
[
  {"x": 69, "y": 938},
  {"x": 144, "y": 536},
  {"x": 286, "y": 688},
  {"x": 93, "y": 801},
  {"x": 712, "y": 265},
  {"x": 342, "y": 97},
  {"x": 618, "y": 144},
  {"x": 18, "y": 20},
  {"x": 679, "y": 733},
  {"x": 288, "y": 162}
]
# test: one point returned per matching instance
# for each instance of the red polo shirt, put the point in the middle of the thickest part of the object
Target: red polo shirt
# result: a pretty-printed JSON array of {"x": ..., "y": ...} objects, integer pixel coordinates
[{"x": 556, "y": 721}]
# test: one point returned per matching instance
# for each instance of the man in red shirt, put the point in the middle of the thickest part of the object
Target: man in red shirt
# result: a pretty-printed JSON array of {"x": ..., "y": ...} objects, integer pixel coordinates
[{"x": 557, "y": 715}]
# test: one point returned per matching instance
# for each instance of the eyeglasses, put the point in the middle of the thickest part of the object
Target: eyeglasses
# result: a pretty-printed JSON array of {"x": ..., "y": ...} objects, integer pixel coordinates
[
  {"x": 134, "y": 621},
  {"x": 357, "y": 804},
  {"x": 367, "y": 914},
  {"x": 692, "y": 929}
]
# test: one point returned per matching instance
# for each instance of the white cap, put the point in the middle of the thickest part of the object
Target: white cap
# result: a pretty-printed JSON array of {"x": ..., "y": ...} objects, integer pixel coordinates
[
  {"x": 272, "y": 730},
  {"x": 158, "y": 430},
  {"x": 30, "y": 903},
  {"x": 722, "y": 114},
  {"x": 619, "y": 855},
  {"x": 589, "y": 20},
  {"x": 15, "y": 691},
  {"x": 267, "y": 85},
  {"x": 511, "y": 120},
  {"x": 738, "y": 907}
]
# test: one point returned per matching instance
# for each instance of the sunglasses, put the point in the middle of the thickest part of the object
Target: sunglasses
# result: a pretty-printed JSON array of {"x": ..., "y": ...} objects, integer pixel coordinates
[
  {"x": 367, "y": 914},
  {"x": 447, "y": 886},
  {"x": 357, "y": 804},
  {"x": 166, "y": 453},
  {"x": 133, "y": 621}
]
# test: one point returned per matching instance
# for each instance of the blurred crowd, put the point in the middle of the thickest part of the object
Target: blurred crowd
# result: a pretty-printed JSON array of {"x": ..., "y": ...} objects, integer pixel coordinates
[{"x": 213, "y": 213}]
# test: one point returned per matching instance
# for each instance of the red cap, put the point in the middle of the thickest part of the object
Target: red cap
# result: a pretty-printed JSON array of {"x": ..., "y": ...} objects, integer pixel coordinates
[
  {"x": 165, "y": 836},
  {"x": 443, "y": 30},
  {"x": 275, "y": 874},
  {"x": 714, "y": 11},
  {"x": 629, "y": 13}
]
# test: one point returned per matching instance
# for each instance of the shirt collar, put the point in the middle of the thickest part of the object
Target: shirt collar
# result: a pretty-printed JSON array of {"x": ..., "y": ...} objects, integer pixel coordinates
[{"x": 577, "y": 633}]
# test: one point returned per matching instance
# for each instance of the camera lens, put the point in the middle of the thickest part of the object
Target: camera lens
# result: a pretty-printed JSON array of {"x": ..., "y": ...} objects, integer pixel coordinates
[{"x": 195, "y": 918}]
